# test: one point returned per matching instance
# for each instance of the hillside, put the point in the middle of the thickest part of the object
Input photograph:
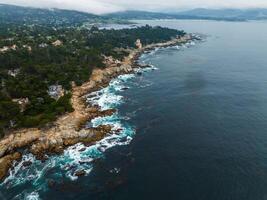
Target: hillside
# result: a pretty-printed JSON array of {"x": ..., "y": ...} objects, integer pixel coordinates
[
  {"x": 231, "y": 14},
  {"x": 134, "y": 14},
  {"x": 209, "y": 14},
  {"x": 55, "y": 17},
  {"x": 44, "y": 53}
]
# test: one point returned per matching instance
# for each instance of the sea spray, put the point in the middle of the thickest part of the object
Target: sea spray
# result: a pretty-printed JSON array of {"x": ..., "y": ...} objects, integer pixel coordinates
[{"x": 32, "y": 180}]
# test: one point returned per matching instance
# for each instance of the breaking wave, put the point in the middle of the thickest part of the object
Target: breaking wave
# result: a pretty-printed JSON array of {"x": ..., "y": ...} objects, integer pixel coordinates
[
  {"x": 77, "y": 157},
  {"x": 32, "y": 180}
]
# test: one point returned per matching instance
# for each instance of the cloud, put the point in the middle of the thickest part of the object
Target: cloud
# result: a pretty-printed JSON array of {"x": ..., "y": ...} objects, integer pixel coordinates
[
  {"x": 104, "y": 6},
  {"x": 91, "y": 6},
  {"x": 180, "y": 4}
]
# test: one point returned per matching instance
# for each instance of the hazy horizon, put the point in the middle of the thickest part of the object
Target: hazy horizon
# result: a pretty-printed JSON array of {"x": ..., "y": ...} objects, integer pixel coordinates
[{"x": 109, "y": 6}]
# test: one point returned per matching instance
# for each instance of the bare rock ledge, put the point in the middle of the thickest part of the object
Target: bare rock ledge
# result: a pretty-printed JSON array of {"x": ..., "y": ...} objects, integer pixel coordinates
[{"x": 70, "y": 128}]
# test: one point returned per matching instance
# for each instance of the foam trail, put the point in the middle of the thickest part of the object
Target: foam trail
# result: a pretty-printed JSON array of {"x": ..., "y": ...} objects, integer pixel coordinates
[
  {"x": 107, "y": 97},
  {"x": 33, "y": 196},
  {"x": 77, "y": 157}
]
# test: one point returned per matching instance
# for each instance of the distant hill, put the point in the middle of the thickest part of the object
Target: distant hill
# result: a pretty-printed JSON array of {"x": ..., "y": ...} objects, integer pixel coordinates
[
  {"x": 133, "y": 14},
  {"x": 58, "y": 17},
  {"x": 209, "y": 14},
  {"x": 227, "y": 14},
  {"x": 55, "y": 17}
]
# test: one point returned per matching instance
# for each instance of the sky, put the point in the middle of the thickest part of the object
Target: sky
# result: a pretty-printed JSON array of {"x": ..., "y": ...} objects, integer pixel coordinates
[{"x": 107, "y": 6}]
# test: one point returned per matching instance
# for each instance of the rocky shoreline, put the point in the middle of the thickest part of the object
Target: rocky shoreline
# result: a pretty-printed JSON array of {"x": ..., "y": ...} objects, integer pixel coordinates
[{"x": 70, "y": 128}]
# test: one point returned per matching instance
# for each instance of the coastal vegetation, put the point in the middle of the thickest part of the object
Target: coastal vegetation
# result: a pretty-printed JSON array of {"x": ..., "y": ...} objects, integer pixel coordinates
[{"x": 41, "y": 60}]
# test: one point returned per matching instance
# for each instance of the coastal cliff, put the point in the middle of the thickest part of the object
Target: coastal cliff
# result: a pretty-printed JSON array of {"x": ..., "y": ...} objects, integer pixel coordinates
[{"x": 70, "y": 128}]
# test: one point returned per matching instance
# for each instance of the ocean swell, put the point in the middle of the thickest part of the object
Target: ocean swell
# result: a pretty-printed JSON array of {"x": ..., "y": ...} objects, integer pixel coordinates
[{"x": 33, "y": 179}]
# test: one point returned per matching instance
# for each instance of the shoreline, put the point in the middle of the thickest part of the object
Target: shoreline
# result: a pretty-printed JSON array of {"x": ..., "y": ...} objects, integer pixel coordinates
[{"x": 69, "y": 128}]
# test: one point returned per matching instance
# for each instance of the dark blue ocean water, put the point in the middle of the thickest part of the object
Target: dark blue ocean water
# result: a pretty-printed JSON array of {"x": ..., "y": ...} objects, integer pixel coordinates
[{"x": 195, "y": 129}]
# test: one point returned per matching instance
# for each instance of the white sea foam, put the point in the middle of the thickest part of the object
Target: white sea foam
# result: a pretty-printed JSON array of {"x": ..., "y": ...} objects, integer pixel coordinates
[
  {"x": 192, "y": 43},
  {"x": 79, "y": 156},
  {"x": 20, "y": 174},
  {"x": 82, "y": 160},
  {"x": 32, "y": 196},
  {"x": 107, "y": 97},
  {"x": 26, "y": 195}
]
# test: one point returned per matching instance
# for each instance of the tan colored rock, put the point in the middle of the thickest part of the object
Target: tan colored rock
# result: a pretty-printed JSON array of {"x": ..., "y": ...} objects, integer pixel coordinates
[
  {"x": 80, "y": 173},
  {"x": 6, "y": 162},
  {"x": 18, "y": 139},
  {"x": 92, "y": 135},
  {"x": 64, "y": 132}
]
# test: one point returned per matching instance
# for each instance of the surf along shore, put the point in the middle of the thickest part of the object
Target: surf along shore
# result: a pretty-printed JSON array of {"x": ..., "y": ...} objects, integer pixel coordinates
[{"x": 70, "y": 128}]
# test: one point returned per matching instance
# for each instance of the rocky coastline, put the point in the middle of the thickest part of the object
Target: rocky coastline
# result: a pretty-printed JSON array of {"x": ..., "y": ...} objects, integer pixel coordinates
[{"x": 71, "y": 128}]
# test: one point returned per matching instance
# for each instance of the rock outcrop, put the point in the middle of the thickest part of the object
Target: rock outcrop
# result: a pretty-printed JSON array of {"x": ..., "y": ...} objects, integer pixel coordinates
[
  {"x": 56, "y": 143},
  {"x": 6, "y": 162},
  {"x": 18, "y": 140},
  {"x": 80, "y": 173},
  {"x": 70, "y": 128}
]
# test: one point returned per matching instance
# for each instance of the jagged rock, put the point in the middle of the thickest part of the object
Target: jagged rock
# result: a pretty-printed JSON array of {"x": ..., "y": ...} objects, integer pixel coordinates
[
  {"x": 118, "y": 130},
  {"x": 51, "y": 183},
  {"x": 64, "y": 131},
  {"x": 80, "y": 173},
  {"x": 18, "y": 140},
  {"x": 26, "y": 163},
  {"x": 88, "y": 136},
  {"x": 58, "y": 149},
  {"x": 6, "y": 163},
  {"x": 145, "y": 65},
  {"x": 82, "y": 149},
  {"x": 107, "y": 112}
]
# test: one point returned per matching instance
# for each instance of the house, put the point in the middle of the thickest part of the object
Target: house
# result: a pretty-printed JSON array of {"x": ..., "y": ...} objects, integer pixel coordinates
[
  {"x": 138, "y": 44},
  {"x": 42, "y": 45},
  {"x": 13, "y": 72},
  {"x": 57, "y": 43},
  {"x": 27, "y": 47},
  {"x": 4, "y": 49},
  {"x": 56, "y": 91},
  {"x": 13, "y": 47},
  {"x": 22, "y": 102},
  {"x": 9, "y": 39}
]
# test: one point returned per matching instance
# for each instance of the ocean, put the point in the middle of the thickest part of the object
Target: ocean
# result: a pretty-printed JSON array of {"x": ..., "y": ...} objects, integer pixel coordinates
[{"x": 193, "y": 127}]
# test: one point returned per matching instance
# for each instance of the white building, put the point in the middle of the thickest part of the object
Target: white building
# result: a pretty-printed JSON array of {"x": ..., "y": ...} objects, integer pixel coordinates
[
  {"x": 138, "y": 44},
  {"x": 42, "y": 45},
  {"x": 55, "y": 91},
  {"x": 4, "y": 49},
  {"x": 57, "y": 43},
  {"x": 13, "y": 72},
  {"x": 22, "y": 102}
]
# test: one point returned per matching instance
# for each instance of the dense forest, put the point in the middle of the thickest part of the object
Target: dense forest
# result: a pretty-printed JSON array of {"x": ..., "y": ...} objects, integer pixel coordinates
[{"x": 35, "y": 56}]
